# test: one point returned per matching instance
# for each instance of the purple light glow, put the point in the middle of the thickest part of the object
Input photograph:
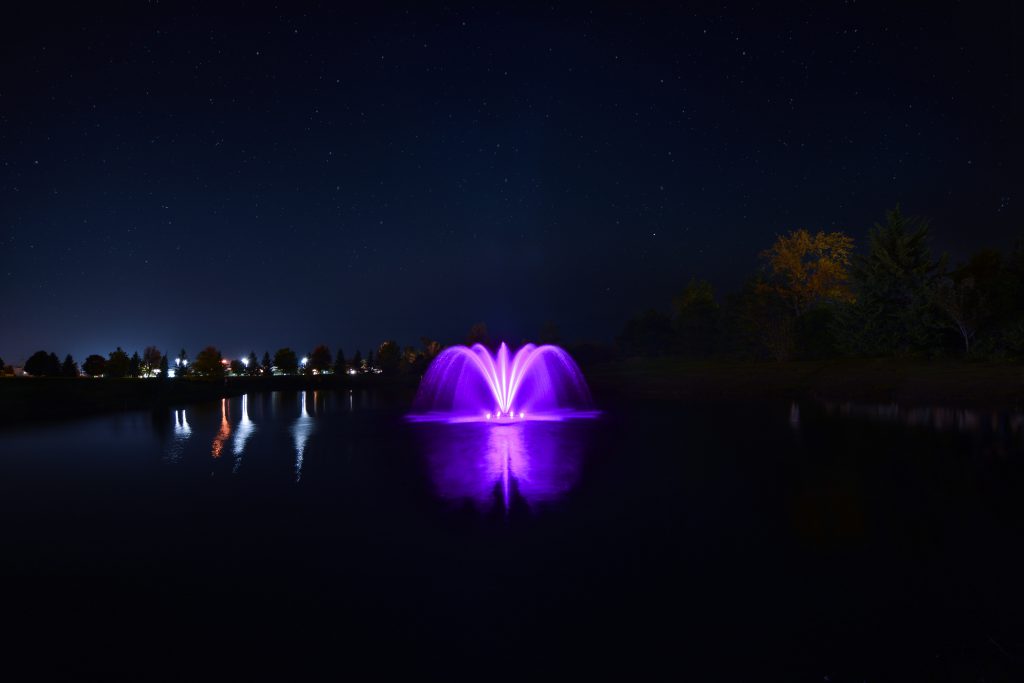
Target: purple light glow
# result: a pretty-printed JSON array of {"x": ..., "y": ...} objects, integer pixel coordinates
[
  {"x": 531, "y": 462},
  {"x": 472, "y": 385}
]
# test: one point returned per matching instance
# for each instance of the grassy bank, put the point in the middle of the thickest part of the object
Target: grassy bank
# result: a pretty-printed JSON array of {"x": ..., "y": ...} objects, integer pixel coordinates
[
  {"x": 42, "y": 398},
  {"x": 883, "y": 380}
]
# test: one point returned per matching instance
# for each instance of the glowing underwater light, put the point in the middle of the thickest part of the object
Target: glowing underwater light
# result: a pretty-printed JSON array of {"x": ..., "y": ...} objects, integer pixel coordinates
[{"x": 464, "y": 384}]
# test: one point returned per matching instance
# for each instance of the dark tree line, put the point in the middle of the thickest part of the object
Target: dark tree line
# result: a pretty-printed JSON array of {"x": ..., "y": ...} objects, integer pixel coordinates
[
  {"x": 390, "y": 358},
  {"x": 814, "y": 298}
]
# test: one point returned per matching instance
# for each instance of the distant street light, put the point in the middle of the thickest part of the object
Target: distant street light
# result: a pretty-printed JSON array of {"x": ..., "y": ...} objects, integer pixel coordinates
[
  {"x": 304, "y": 361},
  {"x": 245, "y": 362}
]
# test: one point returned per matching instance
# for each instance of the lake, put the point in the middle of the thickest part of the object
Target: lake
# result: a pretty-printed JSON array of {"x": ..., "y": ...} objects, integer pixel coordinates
[{"x": 300, "y": 531}]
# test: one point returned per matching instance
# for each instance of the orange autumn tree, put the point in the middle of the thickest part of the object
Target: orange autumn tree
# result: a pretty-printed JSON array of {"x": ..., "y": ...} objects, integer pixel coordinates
[{"x": 809, "y": 269}]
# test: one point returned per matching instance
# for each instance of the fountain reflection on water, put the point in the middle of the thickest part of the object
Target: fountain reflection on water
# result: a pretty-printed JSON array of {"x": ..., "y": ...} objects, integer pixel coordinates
[
  {"x": 535, "y": 462},
  {"x": 505, "y": 426}
]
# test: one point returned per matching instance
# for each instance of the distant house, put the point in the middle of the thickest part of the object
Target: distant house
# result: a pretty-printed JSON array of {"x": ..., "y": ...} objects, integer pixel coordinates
[{"x": 19, "y": 371}]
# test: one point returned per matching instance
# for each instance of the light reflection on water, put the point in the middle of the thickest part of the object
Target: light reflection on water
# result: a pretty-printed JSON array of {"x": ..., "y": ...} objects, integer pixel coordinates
[
  {"x": 301, "y": 431},
  {"x": 532, "y": 461},
  {"x": 488, "y": 464},
  {"x": 242, "y": 434},
  {"x": 238, "y": 436},
  {"x": 991, "y": 431},
  {"x": 223, "y": 433},
  {"x": 937, "y": 418},
  {"x": 182, "y": 430}
]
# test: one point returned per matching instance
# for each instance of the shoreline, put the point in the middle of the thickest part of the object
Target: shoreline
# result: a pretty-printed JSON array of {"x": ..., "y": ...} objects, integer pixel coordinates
[
  {"x": 939, "y": 383},
  {"x": 33, "y": 399},
  {"x": 886, "y": 381}
]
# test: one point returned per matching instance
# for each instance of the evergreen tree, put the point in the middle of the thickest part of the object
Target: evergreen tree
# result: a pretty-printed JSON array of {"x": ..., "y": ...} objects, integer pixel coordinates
[
  {"x": 267, "y": 364},
  {"x": 163, "y": 367},
  {"x": 320, "y": 359},
  {"x": 339, "y": 362},
  {"x": 286, "y": 362},
  {"x": 357, "y": 361},
  {"x": 70, "y": 367},
  {"x": 253, "y": 367},
  {"x": 135, "y": 365},
  {"x": 182, "y": 363},
  {"x": 893, "y": 311},
  {"x": 389, "y": 355}
]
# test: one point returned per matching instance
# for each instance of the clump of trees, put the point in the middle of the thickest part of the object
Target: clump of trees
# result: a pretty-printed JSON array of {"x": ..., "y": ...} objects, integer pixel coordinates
[
  {"x": 151, "y": 361},
  {"x": 208, "y": 363},
  {"x": 94, "y": 365},
  {"x": 815, "y": 298},
  {"x": 286, "y": 361},
  {"x": 118, "y": 364},
  {"x": 895, "y": 282},
  {"x": 43, "y": 364},
  {"x": 320, "y": 359}
]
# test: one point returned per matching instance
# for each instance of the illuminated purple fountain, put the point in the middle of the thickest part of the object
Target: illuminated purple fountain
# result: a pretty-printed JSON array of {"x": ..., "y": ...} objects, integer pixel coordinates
[{"x": 466, "y": 384}]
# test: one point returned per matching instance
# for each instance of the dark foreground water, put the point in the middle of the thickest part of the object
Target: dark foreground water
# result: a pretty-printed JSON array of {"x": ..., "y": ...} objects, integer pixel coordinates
[{"x": 292, "y": 533}]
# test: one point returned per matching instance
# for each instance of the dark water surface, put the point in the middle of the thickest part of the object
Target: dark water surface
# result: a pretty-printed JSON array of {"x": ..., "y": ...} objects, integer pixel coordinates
[{"x": 301, "y": 532}]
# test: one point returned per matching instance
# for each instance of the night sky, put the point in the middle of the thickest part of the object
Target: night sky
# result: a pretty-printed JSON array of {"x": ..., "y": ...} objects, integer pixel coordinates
[{"x": 255, "y": 179}]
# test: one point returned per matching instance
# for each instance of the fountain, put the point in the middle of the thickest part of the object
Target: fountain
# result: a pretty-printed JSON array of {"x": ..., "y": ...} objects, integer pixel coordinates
[{"x": 466, "y": 384}]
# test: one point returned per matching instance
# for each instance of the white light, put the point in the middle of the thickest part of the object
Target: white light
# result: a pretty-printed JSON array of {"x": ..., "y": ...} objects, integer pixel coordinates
[
  {"x": 488, "y": 416},
  {"x": 304, "y": 360},
  {"x": 177, "y": 361},
  {"x": 170, "y": 373},
  {"x": 245, "y": 362},
  {"x": 520, "y": 416}
]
